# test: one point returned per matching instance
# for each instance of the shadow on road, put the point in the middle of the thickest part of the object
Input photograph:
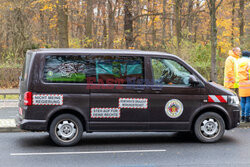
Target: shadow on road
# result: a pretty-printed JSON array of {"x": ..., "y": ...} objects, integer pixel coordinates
[{"x": 103, "y": 139}]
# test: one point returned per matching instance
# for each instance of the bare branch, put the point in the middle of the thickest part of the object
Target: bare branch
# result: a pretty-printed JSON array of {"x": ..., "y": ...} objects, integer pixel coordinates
[
  {"x": 218, "y": 4},
  {"x": 208, "y": 5},
  {"x": 148, "y": 14}
]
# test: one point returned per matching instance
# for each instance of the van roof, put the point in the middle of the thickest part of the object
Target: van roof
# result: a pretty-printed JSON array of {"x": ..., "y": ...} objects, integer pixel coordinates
[{"x": 106, "y": 51}]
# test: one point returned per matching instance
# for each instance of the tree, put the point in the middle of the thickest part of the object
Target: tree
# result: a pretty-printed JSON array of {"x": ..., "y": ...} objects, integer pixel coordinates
[
  {"x": 233, "y": 12},
  {"x": 128, "y": 23},
  {"x": 212, "y": 12},
  {"x": 89, "y": 20},
  {"x": 242, "y": 23},
  {"x": 190, "y": 18},
  {"x": 164, "y": 22},
  {"x": 62, "y": 24},
  {"x": 178, "y": 24}
]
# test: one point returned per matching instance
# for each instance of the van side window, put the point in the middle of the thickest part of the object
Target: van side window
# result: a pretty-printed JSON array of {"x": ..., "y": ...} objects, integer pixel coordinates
[
  {"x": 169, "y": 72},
  {"x": 119, "y": 70},
  {"x": 71, "y": 69}
]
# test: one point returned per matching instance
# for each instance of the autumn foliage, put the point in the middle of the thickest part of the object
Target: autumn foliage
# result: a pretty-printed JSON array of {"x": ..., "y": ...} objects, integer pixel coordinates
[{"x": 181, "y": 27}]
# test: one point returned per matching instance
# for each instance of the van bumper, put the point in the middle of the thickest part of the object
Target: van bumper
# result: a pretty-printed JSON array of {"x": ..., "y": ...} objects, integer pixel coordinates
[
  {"x": 235, "y": 117},
  {"x": 31, "y": 125}
]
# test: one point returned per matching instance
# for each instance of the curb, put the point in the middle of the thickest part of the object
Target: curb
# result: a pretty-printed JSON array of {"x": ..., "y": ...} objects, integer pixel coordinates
[
  {"x": 8, "y": 125},
  {"x": 244, "y": 125},
  {"x": 10, "y": 129}
]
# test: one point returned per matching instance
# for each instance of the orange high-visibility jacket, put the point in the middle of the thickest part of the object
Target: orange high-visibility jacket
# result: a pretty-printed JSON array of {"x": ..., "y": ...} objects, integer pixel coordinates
[
  {"x": 231, "y": 79},
  {"x": 244, "y": 77}
]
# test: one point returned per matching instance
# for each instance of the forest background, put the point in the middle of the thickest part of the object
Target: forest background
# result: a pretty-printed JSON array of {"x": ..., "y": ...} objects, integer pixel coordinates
[{"x": 199, "y": 31}]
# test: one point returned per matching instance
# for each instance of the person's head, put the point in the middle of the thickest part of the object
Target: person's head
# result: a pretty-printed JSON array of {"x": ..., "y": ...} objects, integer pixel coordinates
[
  {"x": 246, "y": 54},
  {"x": 237, "y": 51}
]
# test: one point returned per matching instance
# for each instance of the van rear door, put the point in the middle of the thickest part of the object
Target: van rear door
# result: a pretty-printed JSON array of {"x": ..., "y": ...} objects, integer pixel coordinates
[{"x": 24, "y": 78}]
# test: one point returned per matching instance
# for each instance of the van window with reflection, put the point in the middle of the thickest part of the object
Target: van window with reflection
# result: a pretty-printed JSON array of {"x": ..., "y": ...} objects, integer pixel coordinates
[
  {"x": 119, "y": 69},
  {"x": 169, "y": 72},
  {"x": 72, "y": 69},
  {"x": 94, "y": 69}
]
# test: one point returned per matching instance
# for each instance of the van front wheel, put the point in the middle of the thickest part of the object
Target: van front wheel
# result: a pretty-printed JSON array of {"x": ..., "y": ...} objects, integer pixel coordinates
[
  {"x": 66, "y": 130},
  {"x": 209, "y": 127}
]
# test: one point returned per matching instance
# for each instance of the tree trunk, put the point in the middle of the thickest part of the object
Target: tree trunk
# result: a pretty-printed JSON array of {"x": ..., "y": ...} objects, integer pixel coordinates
[
  {"x": 153, "y": 27},
  {"x": 137, "y": 22},
  {"x": 89, "y": 21},
  {"x": 242, "y": 23},
  {"x": 178, "y": 24},
  {"x": 233, "y": 12},
  {"x": 128, "y": 23},
  {"x": 197, "y": 21},
  {"x": 213, "y": 43},
  {"x": 171, "y": 22},
  {"x": 62, "y": 24},
  {"x": 213, "y": 8},
  {"x": 190, "y": 18},
  {"x": 163, "y": 23},
  {"x": 110, "y": 24},
  {"x": 146, "y": 28}
]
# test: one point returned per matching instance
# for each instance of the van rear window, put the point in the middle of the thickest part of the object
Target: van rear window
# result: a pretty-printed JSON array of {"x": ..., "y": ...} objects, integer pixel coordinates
[
  {"x": 98, "y": 69},
  {"x": 26, "y": 66},
  {"x": 73, "y": 69}
]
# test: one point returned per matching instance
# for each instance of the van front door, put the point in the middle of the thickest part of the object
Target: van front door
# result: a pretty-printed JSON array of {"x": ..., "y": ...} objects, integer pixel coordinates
[
  {"x": 117, "y": 94},
  {"x": 173, "y": 99}
]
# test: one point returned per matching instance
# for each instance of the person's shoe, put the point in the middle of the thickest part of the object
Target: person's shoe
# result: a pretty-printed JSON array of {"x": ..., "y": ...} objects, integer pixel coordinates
[{"x": 243, "y": 119}]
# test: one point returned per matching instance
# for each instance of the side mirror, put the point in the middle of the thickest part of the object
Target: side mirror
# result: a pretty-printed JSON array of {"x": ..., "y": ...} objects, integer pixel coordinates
[{"x": 193, "y": 80}]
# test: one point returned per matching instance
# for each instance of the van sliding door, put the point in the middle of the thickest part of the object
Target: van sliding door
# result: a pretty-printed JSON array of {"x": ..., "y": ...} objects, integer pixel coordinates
[{"x": 117, "y": 94}]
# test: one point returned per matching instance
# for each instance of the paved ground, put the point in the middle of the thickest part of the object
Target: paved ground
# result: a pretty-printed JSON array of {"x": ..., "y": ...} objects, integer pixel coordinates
[
  {"x": 8, "y": 112},
  {"x": 126, "y": 150}
]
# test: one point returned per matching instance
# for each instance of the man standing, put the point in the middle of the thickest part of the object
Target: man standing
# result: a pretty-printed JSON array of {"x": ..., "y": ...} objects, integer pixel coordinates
[
  {"x": 244, "y": 85},
  {"x": 231, "y": 78}
]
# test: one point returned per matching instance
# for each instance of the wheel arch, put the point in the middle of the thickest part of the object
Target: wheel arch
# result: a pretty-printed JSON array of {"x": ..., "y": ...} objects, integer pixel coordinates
[
  {"x": 212, "y": 108},
  {"x": 67, "y": 110}
]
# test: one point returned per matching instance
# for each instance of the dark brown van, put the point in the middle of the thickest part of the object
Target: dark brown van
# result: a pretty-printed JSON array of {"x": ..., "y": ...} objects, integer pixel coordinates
[{"x": 68, "y": 91}]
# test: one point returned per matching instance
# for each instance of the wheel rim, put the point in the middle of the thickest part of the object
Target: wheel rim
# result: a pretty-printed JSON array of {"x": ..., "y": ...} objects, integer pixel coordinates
[
  {"x": 66, "y": 130},
  {"x": 210, "y": 128}
]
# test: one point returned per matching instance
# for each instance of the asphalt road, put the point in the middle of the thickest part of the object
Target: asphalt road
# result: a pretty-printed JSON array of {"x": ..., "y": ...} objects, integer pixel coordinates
[
  {"x": 8, "y": 112},
  {"x": 126, "y": 150}
]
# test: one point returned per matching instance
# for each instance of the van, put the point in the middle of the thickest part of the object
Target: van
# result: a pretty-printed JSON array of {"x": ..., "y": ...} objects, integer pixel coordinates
[{"x": 70, "y": 91}]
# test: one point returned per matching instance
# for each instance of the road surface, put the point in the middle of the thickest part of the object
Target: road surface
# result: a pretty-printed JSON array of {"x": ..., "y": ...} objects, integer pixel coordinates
[{"x": 126, "y": 150}]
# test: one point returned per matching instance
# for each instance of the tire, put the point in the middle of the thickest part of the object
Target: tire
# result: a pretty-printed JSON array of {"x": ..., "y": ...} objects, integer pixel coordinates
[
  {"x": 209, "y": 127},
  {"x": 66, "y": 130}
]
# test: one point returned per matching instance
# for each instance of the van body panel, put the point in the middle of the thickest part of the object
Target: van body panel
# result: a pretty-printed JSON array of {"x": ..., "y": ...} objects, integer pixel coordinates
[{"x": 79, "y": 97}]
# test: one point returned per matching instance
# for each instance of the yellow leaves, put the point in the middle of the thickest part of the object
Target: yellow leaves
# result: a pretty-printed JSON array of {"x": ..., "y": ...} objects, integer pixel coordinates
[{"x": 49, "y": 7}]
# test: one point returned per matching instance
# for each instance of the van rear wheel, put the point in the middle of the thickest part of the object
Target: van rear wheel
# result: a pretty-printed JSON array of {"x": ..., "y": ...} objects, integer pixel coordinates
[
  {"x": 66, "y": 130},
  {"x": 209, "y": 127}
]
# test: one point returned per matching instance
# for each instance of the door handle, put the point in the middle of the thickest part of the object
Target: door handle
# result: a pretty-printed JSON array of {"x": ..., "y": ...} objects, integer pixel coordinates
[
  {"x": 139, "y": 88},
  {"x": 156, "y": 88}
]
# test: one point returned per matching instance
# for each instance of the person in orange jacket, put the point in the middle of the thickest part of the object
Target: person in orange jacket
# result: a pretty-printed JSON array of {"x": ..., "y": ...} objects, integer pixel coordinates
[
  {"x": 231, "y": 79},
  {"x": 244, "y": 85}
]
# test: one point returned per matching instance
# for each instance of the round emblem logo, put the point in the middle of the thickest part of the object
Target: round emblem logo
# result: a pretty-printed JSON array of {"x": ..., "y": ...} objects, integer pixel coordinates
[{"x": 174, "y": 108}]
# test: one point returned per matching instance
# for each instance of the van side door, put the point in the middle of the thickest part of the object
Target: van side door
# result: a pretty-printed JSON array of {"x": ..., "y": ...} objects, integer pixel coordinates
[
  {"x": 117, "y": 94},
  {"x": 173, "y": 99}
]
